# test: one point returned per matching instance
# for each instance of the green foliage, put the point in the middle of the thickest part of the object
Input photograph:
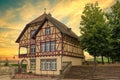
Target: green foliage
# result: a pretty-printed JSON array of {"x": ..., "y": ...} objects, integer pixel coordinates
[
  {"x": 94, "y": 30},
  {"x": 23, "y": 65},
  {"x": 14, "y": 64},
  {"x": 100, "y": 32},
  {"x": 99, "y": 59},
  {"x": 114, "y": 21}
]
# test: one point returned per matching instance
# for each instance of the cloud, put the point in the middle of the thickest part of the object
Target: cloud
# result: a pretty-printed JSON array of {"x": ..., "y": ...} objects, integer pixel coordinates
[
  {"x": 73, "y": 9},
  {"x": 14, "y": 19},
  {"x": 27, "y": 11},
  {"x": 7, "y": 38}
]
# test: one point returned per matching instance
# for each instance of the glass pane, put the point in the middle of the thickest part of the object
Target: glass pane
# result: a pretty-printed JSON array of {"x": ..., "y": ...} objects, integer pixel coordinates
[
  {"x": 48, "y": 65},
  {"x": 42, "y": 47},
  {"x": 52, "y": 46},
  {"x": 32, "y": 49},
  {"x": 47, "y": 31},
  {"x": 32, "y": 33},
  {"x": 43, "y": 65},
  {"x": 48, "y": 46},
  {"x": 32, "y": 64},
  {"x": 53, "y": 64}
]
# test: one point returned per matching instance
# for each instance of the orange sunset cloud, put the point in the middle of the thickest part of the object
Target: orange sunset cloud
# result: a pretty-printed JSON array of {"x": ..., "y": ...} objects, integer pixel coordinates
[{"x": 14, "y": 17}]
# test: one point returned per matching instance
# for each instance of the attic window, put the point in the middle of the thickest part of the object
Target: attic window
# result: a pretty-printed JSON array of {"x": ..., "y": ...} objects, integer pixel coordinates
[
  {"x": 47, "y": 31},
  {"x": 32, "y": 32}
]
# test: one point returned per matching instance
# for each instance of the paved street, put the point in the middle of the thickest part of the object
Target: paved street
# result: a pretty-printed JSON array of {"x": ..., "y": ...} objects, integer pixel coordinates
[{"x": 5, "y": 77}]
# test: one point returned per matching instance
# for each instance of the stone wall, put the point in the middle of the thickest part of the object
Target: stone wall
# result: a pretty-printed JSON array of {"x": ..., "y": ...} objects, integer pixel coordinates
[{"x": 7, "y": 70}]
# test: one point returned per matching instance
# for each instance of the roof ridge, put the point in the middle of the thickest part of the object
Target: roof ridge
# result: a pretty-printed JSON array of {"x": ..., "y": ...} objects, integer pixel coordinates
[
  {"x": 41, "y": 19},
  {"x": 34, "y": 20},
  {"x": 63, "y": 25}
]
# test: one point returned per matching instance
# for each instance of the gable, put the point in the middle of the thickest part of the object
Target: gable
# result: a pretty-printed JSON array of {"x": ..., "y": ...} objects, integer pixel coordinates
[
  {"x": 53, "y": 30},
  {"x": 25, "y": 34},
  {"x": 41, "y": 20},
  {"x": 60, "y": 26}
]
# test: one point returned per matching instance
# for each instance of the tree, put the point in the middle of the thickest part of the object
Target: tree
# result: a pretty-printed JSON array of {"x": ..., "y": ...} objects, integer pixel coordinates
[
  {"x": 94, "y": 31},
  {"x": 6, "y": 62},
  {"x": 114, "y": 21}
]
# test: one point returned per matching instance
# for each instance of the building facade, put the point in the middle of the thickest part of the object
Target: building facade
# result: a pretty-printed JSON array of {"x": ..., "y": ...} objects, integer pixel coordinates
[{"x": 49, "y": 44}]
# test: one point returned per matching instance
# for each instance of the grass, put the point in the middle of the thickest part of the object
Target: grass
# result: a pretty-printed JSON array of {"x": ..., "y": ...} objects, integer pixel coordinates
[
  {"x": 99, "y": 59},
  {"x": 16, "y": 65}
]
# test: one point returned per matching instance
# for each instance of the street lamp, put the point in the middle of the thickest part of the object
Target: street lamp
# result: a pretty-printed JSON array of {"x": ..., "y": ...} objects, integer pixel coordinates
[{"x": 18, "y": 62}]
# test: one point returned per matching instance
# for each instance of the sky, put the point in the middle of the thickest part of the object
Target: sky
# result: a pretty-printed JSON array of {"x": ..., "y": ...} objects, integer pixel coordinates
[{"x": 15, "y": 14}]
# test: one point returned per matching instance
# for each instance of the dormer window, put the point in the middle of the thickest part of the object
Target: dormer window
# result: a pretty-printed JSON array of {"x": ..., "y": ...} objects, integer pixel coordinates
[
  {"x": 32, "y": 32},
  {"x": 47, "y": 31}
]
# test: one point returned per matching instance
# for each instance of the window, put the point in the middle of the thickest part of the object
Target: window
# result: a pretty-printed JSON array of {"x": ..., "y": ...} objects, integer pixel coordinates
[
  {"x": 42, "y": 64},
  {"x": 42, "y": 47},
  {"x": 48, "y": 64},
  {"x": 32, "y": 32},
  {"x": 47, "y": 31},
  {"x": 32, "y": 49},
  {"x": 32, "y": 63},
  {"x": 53, "y": 64},
  {"x": 53, "y": 46},
  {"x": 48, "y": 46}
]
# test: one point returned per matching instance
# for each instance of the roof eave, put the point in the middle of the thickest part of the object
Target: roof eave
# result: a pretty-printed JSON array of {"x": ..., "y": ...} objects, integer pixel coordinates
[
  {"x": 34, "y": 36},
  {"x": 18, "y": 39}
]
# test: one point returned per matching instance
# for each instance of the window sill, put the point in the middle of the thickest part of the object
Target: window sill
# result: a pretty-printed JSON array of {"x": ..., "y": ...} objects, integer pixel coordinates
[{"x": 48, "y": 70}]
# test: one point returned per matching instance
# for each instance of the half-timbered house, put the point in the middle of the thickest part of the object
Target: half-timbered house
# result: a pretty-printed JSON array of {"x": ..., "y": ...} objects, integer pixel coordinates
[{"x": 50, "y": 46}]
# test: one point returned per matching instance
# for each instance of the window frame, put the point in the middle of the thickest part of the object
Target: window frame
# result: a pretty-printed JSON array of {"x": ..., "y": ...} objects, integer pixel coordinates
[
  {"x": 46, "y": 46},
  {"x": 47, "y": 30},
  {"x": 34, "y": 65},
  {"x": 32, "y": 50},
  {"x": 46, "y": 65},
  {"x": 52, "y": 64},
  {"x": 42, "y": 47},
  {"x": 51, "y": 45},
  {"x": 32, "y": 32}
]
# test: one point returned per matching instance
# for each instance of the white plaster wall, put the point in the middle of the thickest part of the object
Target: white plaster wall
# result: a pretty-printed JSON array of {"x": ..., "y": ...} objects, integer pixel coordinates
[
  {"x": 38, "y": 71},
  {"x": 75, "y": 61}
]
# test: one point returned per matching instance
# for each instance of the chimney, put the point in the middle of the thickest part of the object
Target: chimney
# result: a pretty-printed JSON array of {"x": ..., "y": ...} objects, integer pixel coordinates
[
  {"x": 68, "y": 29},
  {"x": 49, "y": 14}
]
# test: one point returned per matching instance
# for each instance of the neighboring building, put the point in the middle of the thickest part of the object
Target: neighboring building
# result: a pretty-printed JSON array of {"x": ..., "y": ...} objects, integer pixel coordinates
[{"x": 49, "y": 44}]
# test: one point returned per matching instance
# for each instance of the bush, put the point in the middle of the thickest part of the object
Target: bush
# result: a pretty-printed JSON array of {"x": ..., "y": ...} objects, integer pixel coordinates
[{"x": 6, "y": 63}]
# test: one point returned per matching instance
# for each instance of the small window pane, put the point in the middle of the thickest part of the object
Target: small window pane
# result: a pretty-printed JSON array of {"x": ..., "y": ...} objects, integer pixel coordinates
[
  {"x": 42, "y": 64},
  {"x": 32, "y": 63},
  {"x": 42, "y": 47},
  {"x": 53, "y": 64},
  {"x": 47, "y": 46},
  {"x": 48, "y": 65},
  {"x": 32, "y": 33},
  {"x": 32, "y": 49},
  {"x": 53, "y": 46},
  {"x": 47, "y": 31}
]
